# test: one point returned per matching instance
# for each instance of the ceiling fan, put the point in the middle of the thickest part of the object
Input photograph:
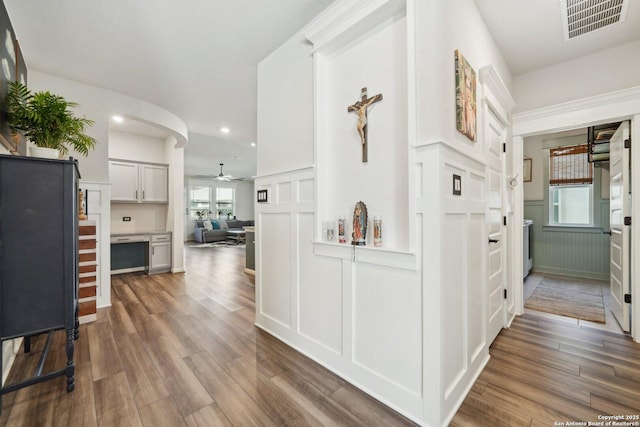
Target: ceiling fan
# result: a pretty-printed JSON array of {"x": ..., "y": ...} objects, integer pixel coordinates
[{"x": 222, "y": 177}]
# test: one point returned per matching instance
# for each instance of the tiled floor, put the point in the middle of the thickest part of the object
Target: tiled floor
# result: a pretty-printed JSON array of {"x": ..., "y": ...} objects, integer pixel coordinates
[{"x": 534, "y": 279}]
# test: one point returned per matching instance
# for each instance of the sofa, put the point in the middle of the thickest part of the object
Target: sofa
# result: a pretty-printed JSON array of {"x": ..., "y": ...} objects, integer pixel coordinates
[{"x": 219, "y": 229}]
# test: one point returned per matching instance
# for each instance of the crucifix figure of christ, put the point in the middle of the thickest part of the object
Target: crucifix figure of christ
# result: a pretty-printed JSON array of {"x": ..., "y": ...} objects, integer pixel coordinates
[{"x": 360, "y": 107}]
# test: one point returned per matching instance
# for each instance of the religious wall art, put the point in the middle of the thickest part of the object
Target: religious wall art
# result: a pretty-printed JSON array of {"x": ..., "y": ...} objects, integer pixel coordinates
[
  {"x": 359, "y": 234},
  {"x": 465, "y": 97},
  {"x": 360, "y": 108}
]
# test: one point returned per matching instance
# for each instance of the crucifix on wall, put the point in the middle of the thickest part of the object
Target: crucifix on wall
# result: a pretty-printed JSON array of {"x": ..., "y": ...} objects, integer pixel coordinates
[{"x": 361, "y": 108}]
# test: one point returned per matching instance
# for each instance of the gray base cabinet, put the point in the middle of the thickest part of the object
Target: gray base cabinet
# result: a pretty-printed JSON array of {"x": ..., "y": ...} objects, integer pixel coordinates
[
  {"x": 160, "y": 253},
  {"x": 251, "y": 250}
]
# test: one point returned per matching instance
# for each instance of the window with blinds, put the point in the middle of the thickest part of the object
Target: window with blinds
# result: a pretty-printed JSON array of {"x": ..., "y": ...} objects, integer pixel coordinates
[
  {"x": 570, "y": 186},
  {"x": 570, "y": 166}
]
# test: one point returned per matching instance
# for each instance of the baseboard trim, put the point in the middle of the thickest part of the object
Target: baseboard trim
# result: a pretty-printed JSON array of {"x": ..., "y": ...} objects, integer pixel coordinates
[{"x": 571, "y": 273}]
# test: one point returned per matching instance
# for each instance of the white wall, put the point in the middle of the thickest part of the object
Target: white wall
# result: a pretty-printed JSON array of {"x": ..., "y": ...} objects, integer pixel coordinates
[
  {"x": 245, "y": 200},
  {"x": 441, "y": 28},
  {"x": 175, "y": 213},
  {"x": 602, "y": 72},
  {"x": 455, "y": 313},
  {"x": 533, "y": 148},
  {"x": 140, "y": 148},
  {"x": 144, "y": 217},
  {"x": 433, "y": 345},
  {"x": 98, "y": 105},
  {"x": 92, "y": 105},
  {"x": 382, "y": 182},
  {"x": 285, "y": 105}
]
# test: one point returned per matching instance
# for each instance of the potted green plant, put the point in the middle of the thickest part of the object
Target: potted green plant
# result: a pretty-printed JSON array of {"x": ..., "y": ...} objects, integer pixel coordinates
[{"x": 47, "y": 121}]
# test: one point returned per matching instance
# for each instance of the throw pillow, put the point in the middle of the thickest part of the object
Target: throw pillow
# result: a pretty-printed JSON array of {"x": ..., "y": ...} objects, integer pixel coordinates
[
  {"x": 223, "y": 224},
  {"x": 215, "y": 225},
  {"x": 207, "y": 225}
]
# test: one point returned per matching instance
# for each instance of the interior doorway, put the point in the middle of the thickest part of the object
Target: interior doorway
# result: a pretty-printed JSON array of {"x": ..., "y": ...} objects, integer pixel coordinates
[{"x": 566, "y": 209}]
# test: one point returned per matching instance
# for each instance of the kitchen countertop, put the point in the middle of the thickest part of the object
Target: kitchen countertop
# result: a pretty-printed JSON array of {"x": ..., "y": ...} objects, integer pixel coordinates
[{"x": 140, "y": 232}]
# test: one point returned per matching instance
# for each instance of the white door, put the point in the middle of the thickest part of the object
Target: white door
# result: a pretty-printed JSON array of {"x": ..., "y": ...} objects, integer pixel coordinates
[
  {"x": 496, "y": 269},
  {"x": 619, "y": 208}
]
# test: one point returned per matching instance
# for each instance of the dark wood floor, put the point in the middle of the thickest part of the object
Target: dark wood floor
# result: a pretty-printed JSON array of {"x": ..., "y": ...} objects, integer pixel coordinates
[{"x": 182, "y": 350}]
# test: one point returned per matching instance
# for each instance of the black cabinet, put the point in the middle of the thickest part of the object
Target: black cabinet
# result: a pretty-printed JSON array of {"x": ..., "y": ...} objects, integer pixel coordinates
[{"x": 39, "y": 254}]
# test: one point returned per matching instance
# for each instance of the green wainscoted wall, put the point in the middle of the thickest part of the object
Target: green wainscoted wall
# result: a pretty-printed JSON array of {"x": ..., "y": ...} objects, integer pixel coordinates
[{"x": 581, "y": 253}]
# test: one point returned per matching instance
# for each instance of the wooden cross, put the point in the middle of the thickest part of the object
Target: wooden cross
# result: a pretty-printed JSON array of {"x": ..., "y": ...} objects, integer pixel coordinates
[{"x": 361, "y": 108}]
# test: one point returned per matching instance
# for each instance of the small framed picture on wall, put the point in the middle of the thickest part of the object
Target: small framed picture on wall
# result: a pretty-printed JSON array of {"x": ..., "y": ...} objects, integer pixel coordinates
[{"x": 526, "y": 172}]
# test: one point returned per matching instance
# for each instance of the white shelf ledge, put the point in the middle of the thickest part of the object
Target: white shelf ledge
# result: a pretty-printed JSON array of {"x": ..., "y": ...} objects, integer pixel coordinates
[{"x": 389, "y": 257}]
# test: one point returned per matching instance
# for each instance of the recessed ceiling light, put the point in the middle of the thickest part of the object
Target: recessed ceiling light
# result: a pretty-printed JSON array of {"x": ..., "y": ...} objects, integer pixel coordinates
[
  {"x": 253, "y": 144},
  {"x": 118, "y": 119},
  {"x": 225, "y": 130}
]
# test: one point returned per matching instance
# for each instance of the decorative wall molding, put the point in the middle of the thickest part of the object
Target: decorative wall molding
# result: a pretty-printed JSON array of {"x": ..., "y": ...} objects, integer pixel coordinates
[
  {"x": 368, "y": 254},
  {"x": 275, "y": 175},
  {"x": 577, "y": 113},
  {"x": 347, "y": 20},
  {"x": 496, "y": 94}
]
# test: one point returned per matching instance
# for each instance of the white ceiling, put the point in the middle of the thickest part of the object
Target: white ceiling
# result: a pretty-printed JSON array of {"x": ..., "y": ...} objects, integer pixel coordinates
[
  {"x": 198, "y": 58},
  {"x": 529, "y": 33},
  {"x": 195, "y": 58}
]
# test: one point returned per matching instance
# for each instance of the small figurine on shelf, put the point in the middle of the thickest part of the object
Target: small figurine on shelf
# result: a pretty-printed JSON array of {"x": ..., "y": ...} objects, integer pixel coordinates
[
  {"x": 377, "y": 231},
  {"x": 359, "y": 234},
  {"x": 342, "y": 238}
]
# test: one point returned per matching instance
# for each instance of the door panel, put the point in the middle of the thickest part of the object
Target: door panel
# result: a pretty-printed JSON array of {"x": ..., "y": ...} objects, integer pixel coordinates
[
  {"x": 494, "y": 132},
  {"x": 619, "y": 206}
]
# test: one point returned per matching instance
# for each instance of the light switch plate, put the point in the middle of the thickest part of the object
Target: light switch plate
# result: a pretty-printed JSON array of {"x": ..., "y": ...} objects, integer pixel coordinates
[{"x": 457, "y": 185}]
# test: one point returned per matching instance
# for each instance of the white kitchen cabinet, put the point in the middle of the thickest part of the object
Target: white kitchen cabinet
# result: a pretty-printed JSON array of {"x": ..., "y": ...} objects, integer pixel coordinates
[
  {"x": 153, "y": 183},
  {"x": 124, "y": 178},
  {"x": 160, "y": 253},
  {"x": 138, "y": 182}
]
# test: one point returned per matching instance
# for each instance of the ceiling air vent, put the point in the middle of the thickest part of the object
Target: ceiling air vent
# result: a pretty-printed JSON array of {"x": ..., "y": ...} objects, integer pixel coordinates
[{"x": 583, "y": 16}]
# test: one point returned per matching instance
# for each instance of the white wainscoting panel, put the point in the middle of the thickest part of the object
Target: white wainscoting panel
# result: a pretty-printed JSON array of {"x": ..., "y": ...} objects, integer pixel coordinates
[
  {"x": 283, "y": 192},
  {"x": 355, "y": 310},
  {"x": 454, "y": 262},
  {"x": 319, "y": 291},
  {"x": 387, "y": 314},
  {"x": 454, "y": 315},
  {"x": 306, "y": 190},
  {"x": 475, "y": 296},
  {"x": 275, "y": 267}
]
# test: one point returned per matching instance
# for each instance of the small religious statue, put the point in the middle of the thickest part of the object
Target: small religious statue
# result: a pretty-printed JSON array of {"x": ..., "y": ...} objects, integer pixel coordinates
[
  {"x": 361, "y": 108},
  {"x": 359, "y": 235},
  {"x": 81, "y": 212}
]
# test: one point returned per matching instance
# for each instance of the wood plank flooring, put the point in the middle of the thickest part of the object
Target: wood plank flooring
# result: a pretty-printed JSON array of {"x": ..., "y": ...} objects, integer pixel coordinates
[
  {"x": 182, "y": 350},
  {"x": 544, "y": 371}
]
